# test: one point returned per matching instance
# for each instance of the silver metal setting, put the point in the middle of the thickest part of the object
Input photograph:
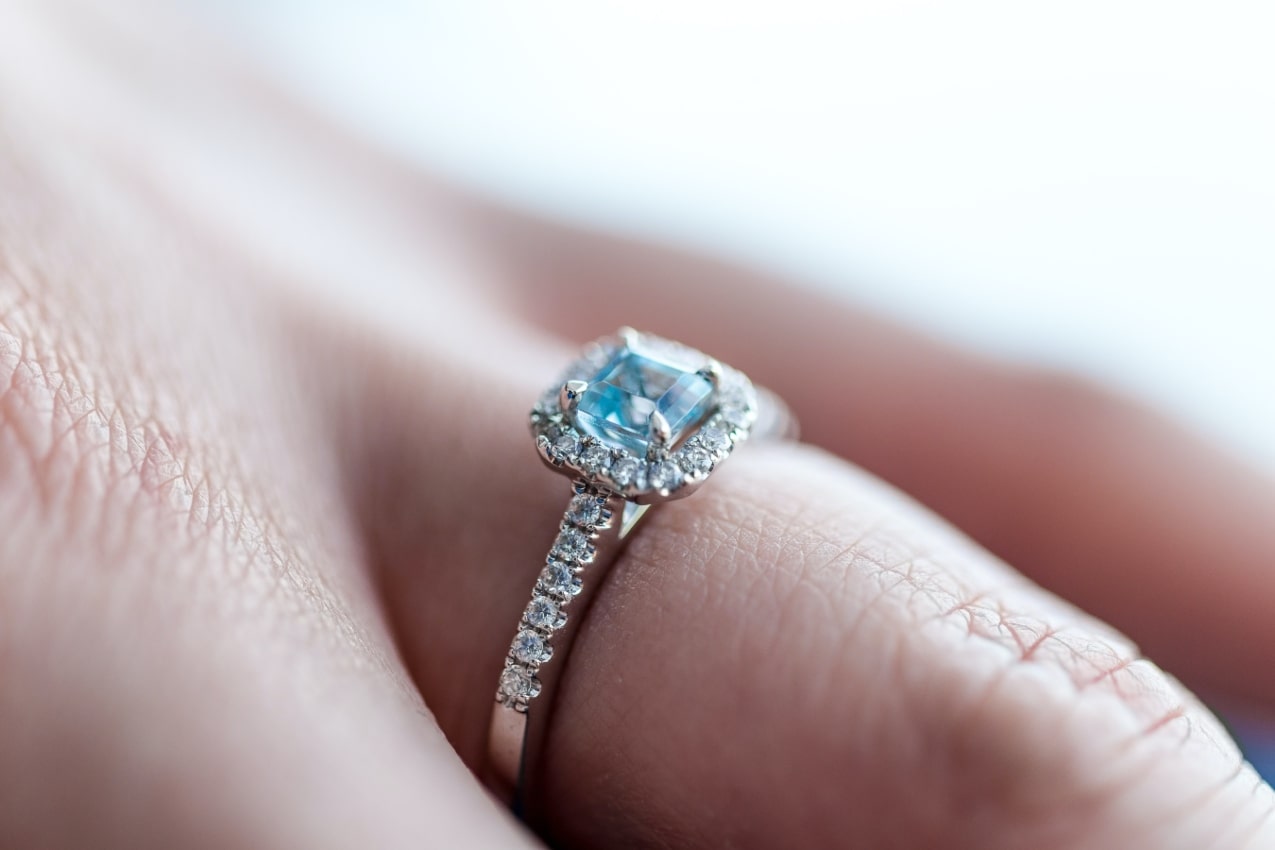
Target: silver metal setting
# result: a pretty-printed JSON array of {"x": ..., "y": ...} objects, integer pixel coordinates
[
  {"x": 569, "y": 395},
  {"x": 612, "y": 488}
]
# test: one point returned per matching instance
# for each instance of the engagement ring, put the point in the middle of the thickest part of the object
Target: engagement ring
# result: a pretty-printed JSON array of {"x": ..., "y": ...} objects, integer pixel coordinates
[{"x": 635, "y": 420}]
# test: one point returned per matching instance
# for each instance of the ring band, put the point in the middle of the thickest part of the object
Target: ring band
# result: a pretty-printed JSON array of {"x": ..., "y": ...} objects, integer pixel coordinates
[{"x": 635, "y": 420}]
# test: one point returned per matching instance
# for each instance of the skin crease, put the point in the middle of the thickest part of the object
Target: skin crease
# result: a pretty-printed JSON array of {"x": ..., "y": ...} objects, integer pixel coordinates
[{"x": 256, "y": 579}]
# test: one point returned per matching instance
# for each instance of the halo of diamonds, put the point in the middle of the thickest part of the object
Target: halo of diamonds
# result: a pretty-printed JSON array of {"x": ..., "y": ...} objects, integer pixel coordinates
[
  {"x": 667, "y": 472},
  {"x": 559, "y": 583}
]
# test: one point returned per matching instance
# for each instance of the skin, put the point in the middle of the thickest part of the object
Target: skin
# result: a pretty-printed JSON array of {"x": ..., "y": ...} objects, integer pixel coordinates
[{"x": 270, "y": 512}]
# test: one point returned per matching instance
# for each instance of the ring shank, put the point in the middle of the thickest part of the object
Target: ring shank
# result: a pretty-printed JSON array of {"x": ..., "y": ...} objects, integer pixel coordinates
[
  {"x": 507, "y": 740},
  {"x": 515, "y": 734}
]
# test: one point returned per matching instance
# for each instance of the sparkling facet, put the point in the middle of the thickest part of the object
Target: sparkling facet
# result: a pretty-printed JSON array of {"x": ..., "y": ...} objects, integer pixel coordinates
[
  {"x": 565, "y": 446},
  {"x": 559, "y": 579},
  {"x": 517, "y": 682},
  {"x": 715, "y": 439},
  {"x": 572, "y": 545},
  {"x": 696, "y": 460},
  {"x": 586, "y": 509},
  {"x": 530, "y": 647},
  {"x": 596, "y": 458},
  {"x": 635, "y": 382},
  {"x": 628, "y": 470},
  {"x": 542, "y": 612},
  {"x": 665, "y": 475},
  {"x": 734, "y": 407}
]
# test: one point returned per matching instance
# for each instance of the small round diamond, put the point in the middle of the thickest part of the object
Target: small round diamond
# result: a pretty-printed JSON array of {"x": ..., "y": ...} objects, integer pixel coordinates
[
  {"x": 547, "y": 405},
  {"x": 735, "y": 408},
  {"x": 572, "y": 545},
  {"x": 586, "y": 509},
  {"x": 558, "y": 579},
  {"x": 543, "y": 613},
  {"x": 517, "y": 682},
  {"x": 627, "y": 471},
  {"x": 565, "y": 446},
  {"x": 596, "y": 458},
  {"x": 695, "y": 460},
  {"x": 715, "y": 439},
  {"x": 530, "y": 647},
  {"x": 665, "y": 475},
  {"x": 735, "y": 416},
  {"x": 733, "y": 396}
]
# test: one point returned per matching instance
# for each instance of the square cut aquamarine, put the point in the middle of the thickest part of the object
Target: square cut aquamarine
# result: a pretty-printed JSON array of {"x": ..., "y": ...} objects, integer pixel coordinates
[{"x": 617, "y": 406}]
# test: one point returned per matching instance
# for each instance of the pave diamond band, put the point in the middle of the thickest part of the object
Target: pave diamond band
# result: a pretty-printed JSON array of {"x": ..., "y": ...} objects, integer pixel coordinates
[
  {"x": 560, "y": 582},
  {"x": 634, "y": 420}
]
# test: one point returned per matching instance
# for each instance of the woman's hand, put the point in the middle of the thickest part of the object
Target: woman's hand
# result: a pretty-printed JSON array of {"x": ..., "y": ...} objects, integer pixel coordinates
[{"x": 270, "y": 511}]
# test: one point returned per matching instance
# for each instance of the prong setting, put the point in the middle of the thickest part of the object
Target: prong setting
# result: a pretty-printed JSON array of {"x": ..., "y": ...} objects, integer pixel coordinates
[
  {"x": 712, "y": 370},
  {"x": 661, "y": 435},
  {"x": 569, "y": 395}
]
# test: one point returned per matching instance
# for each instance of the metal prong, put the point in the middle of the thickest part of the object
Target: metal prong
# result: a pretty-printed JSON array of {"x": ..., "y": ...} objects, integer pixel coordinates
[
  {"x": 713, "y": 371},
  {"x": 661, "y": 434},
  {"x": 628, "y": 336},
  {"x": 569, "y": 395}
]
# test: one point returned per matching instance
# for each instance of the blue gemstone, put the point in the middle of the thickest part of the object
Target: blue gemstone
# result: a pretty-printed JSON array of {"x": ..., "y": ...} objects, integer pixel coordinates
[{"x": 617, "y": 406}]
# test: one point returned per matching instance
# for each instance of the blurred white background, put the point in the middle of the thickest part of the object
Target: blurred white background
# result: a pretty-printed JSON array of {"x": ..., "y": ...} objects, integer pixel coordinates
[{"x": 1090, "y": 183}]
